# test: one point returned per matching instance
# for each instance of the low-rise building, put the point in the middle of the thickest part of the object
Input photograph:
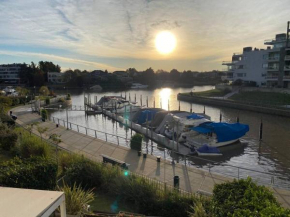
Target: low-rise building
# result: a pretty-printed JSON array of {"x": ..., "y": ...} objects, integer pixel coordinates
[
  {"x": 266, "y": 67},
  {"x": 55, "y": 78},
  {"x": 123, "y": 76},
  {"x": 10, "y": 73}
]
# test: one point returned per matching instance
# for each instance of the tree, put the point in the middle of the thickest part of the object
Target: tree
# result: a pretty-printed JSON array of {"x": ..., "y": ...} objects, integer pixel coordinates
[
  {"x": 41, "y": 130},
  {"x": 44, "y": 91}
]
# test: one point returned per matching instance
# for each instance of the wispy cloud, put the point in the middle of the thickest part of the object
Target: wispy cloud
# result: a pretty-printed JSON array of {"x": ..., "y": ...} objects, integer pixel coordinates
[{"x": 127, "y": 28}]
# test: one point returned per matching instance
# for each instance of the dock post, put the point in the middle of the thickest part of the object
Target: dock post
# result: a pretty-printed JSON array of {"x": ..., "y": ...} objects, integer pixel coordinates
[
  {"x": 221, "y": 117},
  {"x": 135, "y": 98},
  {"x": 204, "y": 109},
  {"x": 178, "y": 105},
  {"x": 238, "y": 119},
  {"x": 147, "y": 101},
  {"x": 141, "y": 100},
  {"x": 125, "y": 96},
  {"x": 121, "y": 94},
  {"x": 168, "y": 105},
  {"x": 261, "y": 130},
  {"x": 131, "y": 119},
  {"x": 129, "y": 97},
  {"x": 161, "y": 103},
  {"x": 190, "y": 107},
  {"x": 96, "y": 134},
  {"x": 154, "y": 103}
]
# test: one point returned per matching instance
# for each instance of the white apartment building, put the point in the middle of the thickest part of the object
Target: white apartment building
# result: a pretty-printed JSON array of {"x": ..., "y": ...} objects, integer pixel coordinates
[
  {"x": 266, "y": 67},
  {"x": 55, "y": 78},
  {"x": 10, "y": 73}
]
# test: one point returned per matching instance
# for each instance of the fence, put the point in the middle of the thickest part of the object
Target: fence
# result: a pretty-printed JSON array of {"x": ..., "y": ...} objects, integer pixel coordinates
[
  {"x": 263, "y": 178},
  {"x": 162, "y": 186}
]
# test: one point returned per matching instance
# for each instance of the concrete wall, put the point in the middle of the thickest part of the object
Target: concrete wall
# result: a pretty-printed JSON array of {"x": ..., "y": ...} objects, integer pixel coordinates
[{"x": 236, "y": 105}]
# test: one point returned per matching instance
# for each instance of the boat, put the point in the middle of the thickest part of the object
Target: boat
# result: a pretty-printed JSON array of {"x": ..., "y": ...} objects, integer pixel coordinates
[
  {"x": 139, "y": 86},
  {"x": 207, "y": 150},
  {"x": 215, "y": 134},
  {"x": 117, "y": 104},
  {"x": 9, "y": 90}
]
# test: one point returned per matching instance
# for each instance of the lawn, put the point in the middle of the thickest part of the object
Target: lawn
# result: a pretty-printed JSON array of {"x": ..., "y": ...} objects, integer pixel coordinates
[
  {"x": 210, "y": 93},
  {"x": 107, "y": 203},
  {"x": 266, "y": 98}
]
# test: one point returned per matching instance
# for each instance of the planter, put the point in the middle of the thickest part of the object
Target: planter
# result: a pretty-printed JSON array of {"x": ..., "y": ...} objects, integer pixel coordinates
[{"x": 67, "y": 102}]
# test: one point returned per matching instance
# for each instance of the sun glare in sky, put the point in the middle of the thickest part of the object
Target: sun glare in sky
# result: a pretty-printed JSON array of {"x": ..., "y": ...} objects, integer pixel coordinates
[{"x": 165, "y": 42}]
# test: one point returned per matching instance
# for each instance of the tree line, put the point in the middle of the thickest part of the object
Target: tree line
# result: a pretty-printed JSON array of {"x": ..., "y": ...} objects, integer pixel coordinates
[{"x": 36, "y": 75}]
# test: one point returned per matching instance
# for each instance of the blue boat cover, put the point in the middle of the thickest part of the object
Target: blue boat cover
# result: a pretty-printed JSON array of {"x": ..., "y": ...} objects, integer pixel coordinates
[
  {"x": 207, "y": 149},
  {"x": 146, "y": 114},
  {"x": 224, "y": 131},
  {"x": 194, "y": 116}
]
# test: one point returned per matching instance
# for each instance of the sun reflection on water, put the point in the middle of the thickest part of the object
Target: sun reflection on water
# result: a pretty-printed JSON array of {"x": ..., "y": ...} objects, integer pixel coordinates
[{"x": 164, "y": 95}]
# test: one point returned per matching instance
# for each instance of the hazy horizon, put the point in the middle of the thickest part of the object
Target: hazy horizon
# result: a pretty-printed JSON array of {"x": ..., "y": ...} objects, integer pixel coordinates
[{"x": 119, "y": 34}]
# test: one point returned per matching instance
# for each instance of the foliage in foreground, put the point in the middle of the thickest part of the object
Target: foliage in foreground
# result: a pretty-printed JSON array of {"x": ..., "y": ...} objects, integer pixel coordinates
[
  {"x": 76, "y": 198},
  {"x": 35, "y": 173},
  {"x": 245, "y": 198},
  {"x": 8, "y": 138}
]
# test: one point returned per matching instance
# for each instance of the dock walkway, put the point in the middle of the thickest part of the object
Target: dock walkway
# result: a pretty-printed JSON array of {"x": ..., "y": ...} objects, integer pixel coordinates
[{"x": 191, "y": 179}]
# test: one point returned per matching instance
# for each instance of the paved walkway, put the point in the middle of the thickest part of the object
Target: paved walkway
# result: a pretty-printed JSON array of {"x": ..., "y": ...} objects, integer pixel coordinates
[{"x": 191, "y": 179}]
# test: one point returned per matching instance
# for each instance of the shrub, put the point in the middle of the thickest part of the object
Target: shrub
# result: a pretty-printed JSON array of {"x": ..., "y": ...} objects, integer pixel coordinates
[
  {"x": 15, "y": 101},
  {"x": 66, "y": 160},
  {"x": 242, "y": 198},
  {"x": 47, "y": 100},
  {"x": 32, "y": 146},
  {"x": 8, "y": 138},
  {"x": 44, "y": 91},
  {"x": 68, "y": 97},
  {"x": 35, "y": 173},
  {"x": 61, "y": 100},
  {"x": 136, "y": 142},
  {"x": 7, "y": 119},
  {"x": 44, "y": 114},
  {"x": 76, "y": 199},
  {"x": 6, "y": 101}
]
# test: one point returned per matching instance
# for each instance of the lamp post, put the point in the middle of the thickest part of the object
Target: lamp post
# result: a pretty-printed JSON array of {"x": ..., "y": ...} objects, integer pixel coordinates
[
  {"x": 34, "y": 91},
  {"x": 25, "y": 100}
]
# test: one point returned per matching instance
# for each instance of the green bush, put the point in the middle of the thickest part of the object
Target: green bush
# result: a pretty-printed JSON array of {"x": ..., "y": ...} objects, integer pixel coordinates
[
  {"x": 68, "y": 97},
  {"x": 35, "y": 173},
  {"x": 7, "y": 119},
  {"x": 15, "y": 101},
  {"x": 47, "y": 100},
  {"x": 8, "y": 138},
  {"x": 61, "y": 100},
  {"x": 66, "y": 160},
  {"x": 136, "y": 142},
  {"x": 6, "y": 101},
  {"x": 244, "y": 198},
  {"x": 44, "y": 114},
  {"x": 32, "y": 146}
]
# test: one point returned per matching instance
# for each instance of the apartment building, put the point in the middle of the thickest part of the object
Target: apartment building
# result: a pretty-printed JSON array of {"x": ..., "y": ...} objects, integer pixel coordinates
[
  {"x": 56, "y": 78},
  {"x": 10, "y": 73},
  {"x": 264, "y": 67}
]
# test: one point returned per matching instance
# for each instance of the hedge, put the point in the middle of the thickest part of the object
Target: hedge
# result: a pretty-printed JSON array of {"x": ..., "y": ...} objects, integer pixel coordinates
[
  {"x": 36, "y": 173},
  {"x": 136, "y": 142}
]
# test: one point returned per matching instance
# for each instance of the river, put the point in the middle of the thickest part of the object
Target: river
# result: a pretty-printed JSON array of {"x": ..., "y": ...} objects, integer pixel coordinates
[{"x": 269, "y": 157}]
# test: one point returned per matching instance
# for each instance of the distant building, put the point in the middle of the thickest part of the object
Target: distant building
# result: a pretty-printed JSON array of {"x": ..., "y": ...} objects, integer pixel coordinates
[
  {"x": 99, "y": 74},
  {"x": 123, "y": 76},
  {"x": 10, "y": 73},
  {"x": 55, "y": 78},
  {"x": 266, "y": 67}
]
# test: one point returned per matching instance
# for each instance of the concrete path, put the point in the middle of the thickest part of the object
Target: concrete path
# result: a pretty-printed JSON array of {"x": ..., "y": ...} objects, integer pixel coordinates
[{"x": 191, "y": 179}]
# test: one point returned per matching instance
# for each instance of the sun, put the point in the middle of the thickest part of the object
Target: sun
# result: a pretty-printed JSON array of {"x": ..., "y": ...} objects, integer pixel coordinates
[{"x": 165, "y": 42}]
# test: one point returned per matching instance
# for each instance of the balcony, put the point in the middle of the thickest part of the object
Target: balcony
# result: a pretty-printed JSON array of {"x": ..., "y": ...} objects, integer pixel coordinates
[
  {"x": 286, "y": 77},
  {"x": 229, "y": 63},
  {"x": 273, "y": 59},
  {"x": 287, "y": 68},
  {"x": 238, "y": 54},
  {"x": 272, "y": 68},
  {"x": 287, "y": 57},
  {"x": 274, "y": 41},
  {"x": 272, "y": 78}
]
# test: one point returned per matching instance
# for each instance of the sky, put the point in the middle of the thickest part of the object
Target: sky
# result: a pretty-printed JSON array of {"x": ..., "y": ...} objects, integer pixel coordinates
[{"x": 119, "y": 34}]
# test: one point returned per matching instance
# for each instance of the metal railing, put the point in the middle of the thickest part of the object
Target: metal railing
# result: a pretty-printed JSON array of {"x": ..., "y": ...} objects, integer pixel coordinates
[
  {"x": 92, "y": 132},
  {"x": 264, "y": 178},
  {"x": 287, "y": 57}
]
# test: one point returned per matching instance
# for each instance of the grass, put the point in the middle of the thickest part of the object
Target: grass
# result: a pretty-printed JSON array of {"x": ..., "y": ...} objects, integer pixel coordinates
[
  {"x": 107, "y": 203},
  {"x": 266, "y": 98},
  {"x": 210, "y": 93}
]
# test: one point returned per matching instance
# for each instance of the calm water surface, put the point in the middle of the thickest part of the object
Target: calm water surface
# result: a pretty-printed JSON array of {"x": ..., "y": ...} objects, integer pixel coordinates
[{"x": 271, "y": 156}]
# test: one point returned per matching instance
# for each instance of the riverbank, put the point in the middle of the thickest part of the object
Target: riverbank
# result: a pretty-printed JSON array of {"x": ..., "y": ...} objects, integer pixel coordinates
[
  {"x": 241, "y": 105},
  {"x": 191, "y": 179}
]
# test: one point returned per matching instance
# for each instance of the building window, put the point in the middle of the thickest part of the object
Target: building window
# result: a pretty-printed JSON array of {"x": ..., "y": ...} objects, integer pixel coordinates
[{"x": 265, "y": 65}]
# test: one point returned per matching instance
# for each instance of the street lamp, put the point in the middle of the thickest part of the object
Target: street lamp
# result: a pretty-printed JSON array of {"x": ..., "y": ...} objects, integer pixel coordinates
[{"x": 34, "y": 91}]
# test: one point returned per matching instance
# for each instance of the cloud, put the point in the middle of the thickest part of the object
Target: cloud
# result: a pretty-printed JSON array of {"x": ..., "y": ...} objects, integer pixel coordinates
[
  {"x": 127, "y": 28},
  {"x": 89, "y": 64}
]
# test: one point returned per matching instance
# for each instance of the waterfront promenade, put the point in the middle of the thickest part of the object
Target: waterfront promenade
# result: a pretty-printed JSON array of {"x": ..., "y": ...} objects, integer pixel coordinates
[{"x": 191, "y": 179}]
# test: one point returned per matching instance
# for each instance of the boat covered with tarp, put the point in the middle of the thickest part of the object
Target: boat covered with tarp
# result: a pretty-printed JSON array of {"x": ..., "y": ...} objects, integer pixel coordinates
[
  {"x": 145, "y": 115},
  {"x": 206, "y": 150}
]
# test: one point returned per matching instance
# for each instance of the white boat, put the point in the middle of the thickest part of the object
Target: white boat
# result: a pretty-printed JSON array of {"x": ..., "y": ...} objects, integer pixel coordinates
[
  {"x": 127, "y": 107},
  {"x": 117, "y": 103},
  {"x": 9, "y": 90},
  {"x": 139, "y": 86}
]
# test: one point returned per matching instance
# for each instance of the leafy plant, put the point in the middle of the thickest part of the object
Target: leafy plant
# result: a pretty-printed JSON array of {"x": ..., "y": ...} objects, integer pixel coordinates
[
  {"x": 76, "y": 198},
  {"x": 47, "y": 100},
  {"x": 68, "y": 97},
  {"x": 32, "y": 146},
  {"x": 35, "y": 173},
  {"x": 44, "y": 114},
  {"x": 136, "y": 142},
  {"x": 41, "y": 130},
  {"x": 44, "y": 91},
  {"x": 8, "y": 138}
]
